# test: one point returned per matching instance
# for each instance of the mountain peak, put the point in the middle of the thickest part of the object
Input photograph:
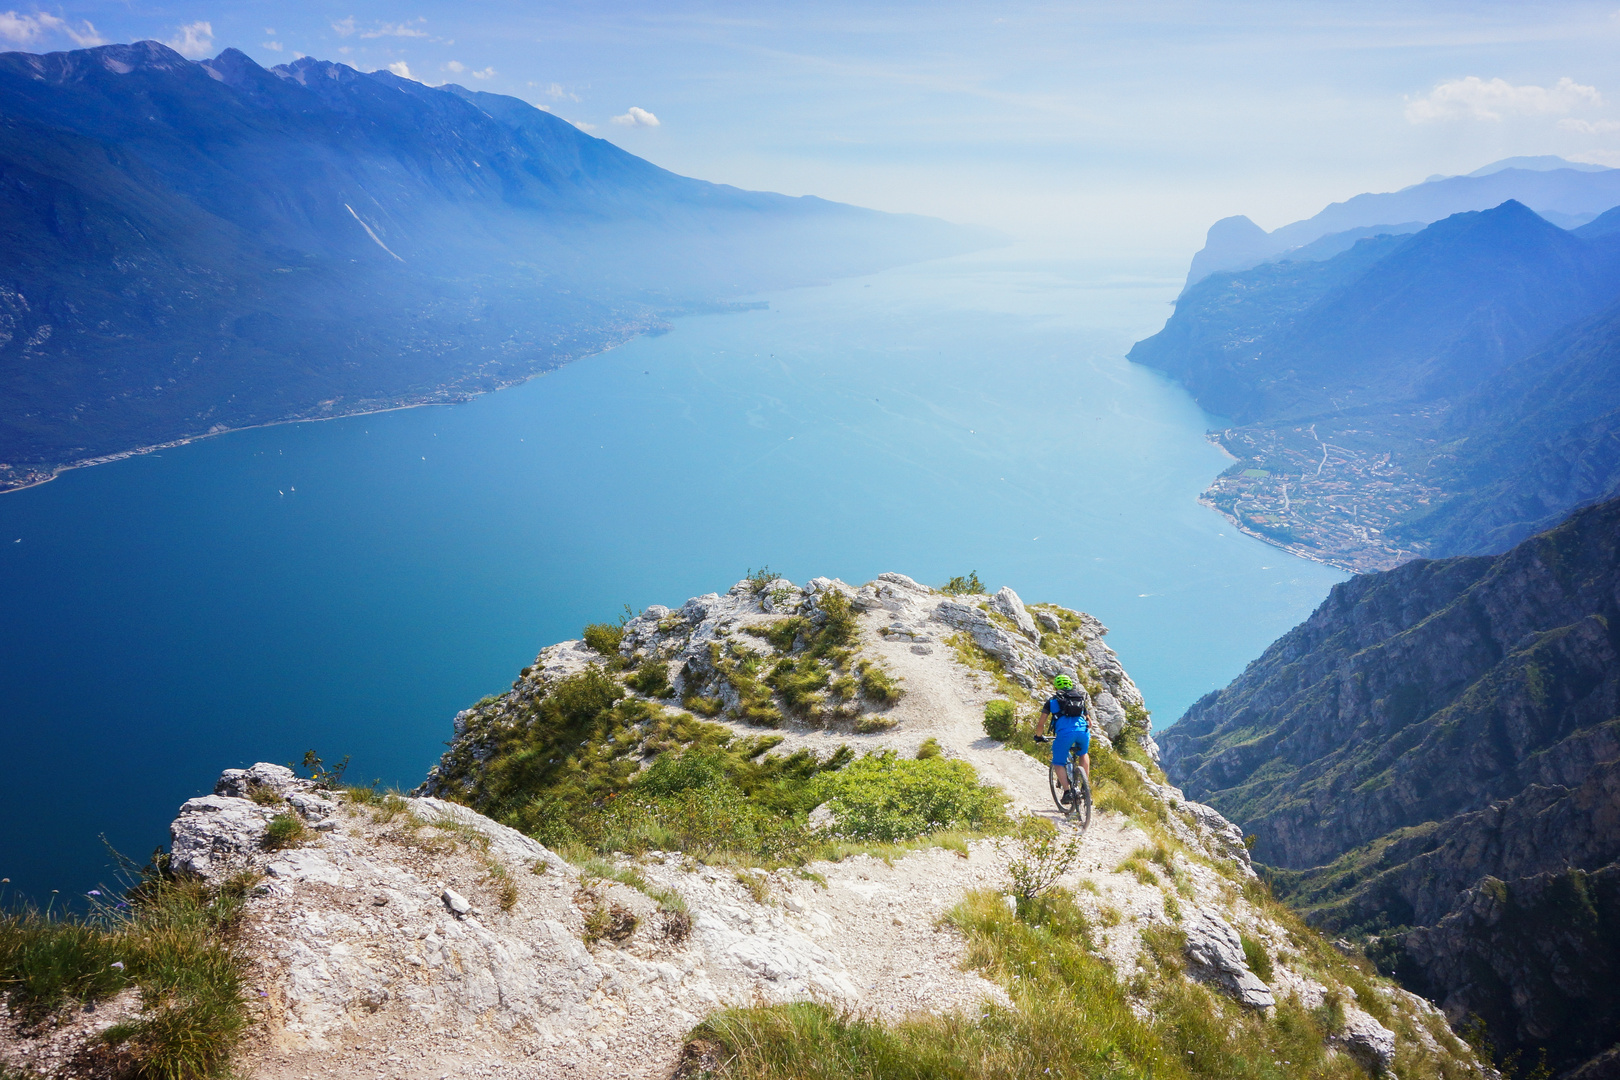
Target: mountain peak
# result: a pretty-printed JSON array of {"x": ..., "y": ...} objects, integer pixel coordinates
[
  {"x": 1537, "y": 163},
  {"x": 60, "y": 68},
  {"x": 306, "y": 70}
]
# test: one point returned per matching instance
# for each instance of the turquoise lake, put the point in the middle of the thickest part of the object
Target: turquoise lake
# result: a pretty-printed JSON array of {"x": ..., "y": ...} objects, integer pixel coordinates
[{"x": 348, "y": 586}]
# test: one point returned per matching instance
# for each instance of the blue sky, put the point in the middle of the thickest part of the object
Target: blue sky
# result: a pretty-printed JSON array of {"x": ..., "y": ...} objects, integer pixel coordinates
[{"x": 1116, "y": 128}]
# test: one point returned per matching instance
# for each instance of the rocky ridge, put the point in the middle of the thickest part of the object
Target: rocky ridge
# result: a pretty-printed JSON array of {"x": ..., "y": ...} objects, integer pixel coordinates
[
  {"x": 1432, "y": 761},
  {"x": 415, "y": 937}
]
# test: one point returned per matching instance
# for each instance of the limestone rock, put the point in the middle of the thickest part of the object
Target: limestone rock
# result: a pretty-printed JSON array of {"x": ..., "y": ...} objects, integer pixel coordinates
[
  {"x": 459, "y": 905},
  {"x": 1217, "y": 952},
  {"x": 1365, "y": 1039},
  {"x": 242, "y": 783},
  {"x": 780, "y": 597},
  {"x": 1107, "y": 712},
  {"x": 216, "y": 835},
  {"x": 1007, "y": 602},
  {"x": 1227, "y": 838}
]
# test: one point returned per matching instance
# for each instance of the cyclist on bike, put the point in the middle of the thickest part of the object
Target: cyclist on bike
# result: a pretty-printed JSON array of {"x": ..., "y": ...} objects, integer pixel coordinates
[{"x": 1065, "y": 711}]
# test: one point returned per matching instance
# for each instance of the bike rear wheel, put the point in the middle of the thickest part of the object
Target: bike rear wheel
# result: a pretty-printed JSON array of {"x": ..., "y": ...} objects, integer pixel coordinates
[{"x": 1080, "y": 812}]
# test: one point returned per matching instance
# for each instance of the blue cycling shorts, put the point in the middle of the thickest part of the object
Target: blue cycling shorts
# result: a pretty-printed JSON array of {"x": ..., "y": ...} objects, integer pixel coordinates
[{"x": 1069, "y": 731}]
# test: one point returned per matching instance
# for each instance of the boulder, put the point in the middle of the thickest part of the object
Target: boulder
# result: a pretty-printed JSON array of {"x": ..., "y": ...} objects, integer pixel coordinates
[
  {"x": 217, "y": 835},
  {"x": 1109, "y": 713},
  {"x": 1216, "y": 952},
  {"x": 1365, "y": 1039},
  {"x": 1007, "y": 603},
  {"x": 242, "y": 783}
]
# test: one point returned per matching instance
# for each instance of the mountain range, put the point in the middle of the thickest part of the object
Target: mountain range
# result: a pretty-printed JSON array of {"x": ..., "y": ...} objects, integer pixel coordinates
[
  {"x": 187, "y": 247},
  {"x": 1431, "y": 763},
  {"x": 1567, "y": 193},
  {"x": 1448, "y": 391}
]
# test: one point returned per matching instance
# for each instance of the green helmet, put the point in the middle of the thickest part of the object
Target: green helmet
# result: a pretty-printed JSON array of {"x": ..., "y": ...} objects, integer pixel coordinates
[{"x": 1063, "y": 682}]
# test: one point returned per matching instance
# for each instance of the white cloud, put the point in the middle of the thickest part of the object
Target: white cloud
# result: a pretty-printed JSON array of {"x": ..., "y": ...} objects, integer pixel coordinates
[
  {"x": 556, "y": 93},
  {"x": 400, "y": 68},
  {"x": 1590, "y": 127},
  {"x": 456, "y": 66},
  {"x": 636, "y": 118},
  {"x": 194, "y": 39},
  {"x": 487, "y": 73},
  {"x": 394, "y": 30},
  {"x": 1474, "y": 98},
  {"x": 582, "y": 125},
  {"x": 30, "y": 29},
  {"x": 273, "y": 46},
  {"x": 344, "y": 27},
  {"x": 268, "y": 32}
]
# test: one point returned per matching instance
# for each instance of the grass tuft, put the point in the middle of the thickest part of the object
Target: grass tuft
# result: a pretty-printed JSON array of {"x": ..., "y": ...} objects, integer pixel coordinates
[
  {"x": 173, "y": 939},
  {"x": 284, "y": 831}
]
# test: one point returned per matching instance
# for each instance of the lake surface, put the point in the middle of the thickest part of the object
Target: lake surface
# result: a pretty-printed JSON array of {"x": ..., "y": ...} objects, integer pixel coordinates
[{"x": 348, "y": 586}]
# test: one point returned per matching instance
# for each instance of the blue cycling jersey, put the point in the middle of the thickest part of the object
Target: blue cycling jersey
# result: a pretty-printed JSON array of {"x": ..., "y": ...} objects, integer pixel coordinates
[{"x": 1067, "y": 731}]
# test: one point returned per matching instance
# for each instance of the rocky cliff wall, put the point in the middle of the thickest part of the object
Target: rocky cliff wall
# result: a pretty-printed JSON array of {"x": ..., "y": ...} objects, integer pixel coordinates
[{"x": 1430, "y": 730}]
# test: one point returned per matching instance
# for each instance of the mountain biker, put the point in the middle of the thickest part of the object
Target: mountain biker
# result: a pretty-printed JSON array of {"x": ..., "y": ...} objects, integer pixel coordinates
[{"x": 1065, "y": 711}]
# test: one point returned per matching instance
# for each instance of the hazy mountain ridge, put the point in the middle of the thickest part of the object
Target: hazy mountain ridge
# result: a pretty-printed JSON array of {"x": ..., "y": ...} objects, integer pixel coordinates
[
  {"x": 1447, "y": 392},
  {"x": 1438, "y": 747},
  {"x": 195, "y": 246},
  {"x": 1567, "y": 193}
]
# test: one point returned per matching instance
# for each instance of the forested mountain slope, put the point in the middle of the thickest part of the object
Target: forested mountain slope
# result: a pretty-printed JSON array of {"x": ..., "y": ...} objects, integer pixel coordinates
[
  {"x": 186, "y": 247},
  {"x": 1433, "y": 759}
]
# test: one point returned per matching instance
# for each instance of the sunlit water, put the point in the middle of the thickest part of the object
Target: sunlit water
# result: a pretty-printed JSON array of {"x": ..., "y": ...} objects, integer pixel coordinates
[{"x": 348, "y": 586}]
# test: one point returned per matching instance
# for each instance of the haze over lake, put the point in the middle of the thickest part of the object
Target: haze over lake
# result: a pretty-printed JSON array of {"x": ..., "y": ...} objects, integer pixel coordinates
[{"x": 350, "y": 585}]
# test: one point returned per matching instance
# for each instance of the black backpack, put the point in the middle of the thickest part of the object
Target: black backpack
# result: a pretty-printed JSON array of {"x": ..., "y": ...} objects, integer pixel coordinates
[{"x": 1071, "y": 703}]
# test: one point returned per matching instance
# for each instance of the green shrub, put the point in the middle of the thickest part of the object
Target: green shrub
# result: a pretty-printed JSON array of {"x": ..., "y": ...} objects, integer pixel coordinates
[
  {"x": 959, "y": 586},
  {"x": 930, "y": 748},
  {"x": 603, "y": 637},
  {"x": 652, "y": 678},
  {"x": 672, "y": 773},
  {"x": 1000, "y": 719},
  {"x": 284, "y": 831},
  {"x": 799, "y": 682},
  {"x": 879, "y": 686},
  {"x": 841, "y": 624},
  {"x": 782, "y": 634},
  {"x": 1039, "y": 857},
  {"x": 1258, "y": 959},
  {"x": 886, "y": 798}
]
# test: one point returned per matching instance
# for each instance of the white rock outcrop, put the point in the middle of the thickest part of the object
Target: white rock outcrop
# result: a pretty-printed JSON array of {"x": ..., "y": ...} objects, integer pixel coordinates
[{"x": 1216, "y": 952}]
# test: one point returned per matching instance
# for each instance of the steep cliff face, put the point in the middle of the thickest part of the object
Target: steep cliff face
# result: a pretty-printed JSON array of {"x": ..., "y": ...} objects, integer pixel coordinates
[{"x": 1428, "y": 731}]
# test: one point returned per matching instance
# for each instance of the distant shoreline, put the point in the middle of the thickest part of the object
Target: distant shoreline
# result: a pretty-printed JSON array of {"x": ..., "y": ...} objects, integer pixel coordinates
[{"x": 441, "y": 396}]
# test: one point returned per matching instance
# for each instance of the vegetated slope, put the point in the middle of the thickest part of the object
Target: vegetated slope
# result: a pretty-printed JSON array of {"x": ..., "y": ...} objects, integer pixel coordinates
[
  {"x": 773, "y": 852},
  {"x": 188, "y": 246},
  {"x": 1444, "y": 393},
  {"x": 1433, "y": 759},
  {"x": 1535, "y": 440},
  {"x": 1573, "y": 191}
]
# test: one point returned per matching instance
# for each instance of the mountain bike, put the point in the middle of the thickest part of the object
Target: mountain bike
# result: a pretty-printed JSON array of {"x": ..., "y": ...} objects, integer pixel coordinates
[{"x": 1080, "y": 812}]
